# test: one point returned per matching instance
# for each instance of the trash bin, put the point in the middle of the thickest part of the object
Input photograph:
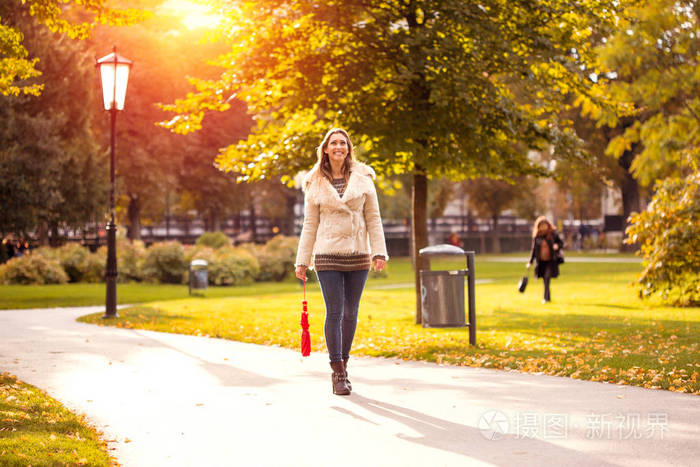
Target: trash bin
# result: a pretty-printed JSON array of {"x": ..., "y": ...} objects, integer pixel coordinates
[
  {"x": 198, "y": 275},
  {"x": 442, "y": 292}
]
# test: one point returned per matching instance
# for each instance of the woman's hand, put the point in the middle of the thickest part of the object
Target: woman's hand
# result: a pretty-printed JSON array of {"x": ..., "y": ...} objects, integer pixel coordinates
[
  {"x": 300, "y": 272},
  {"x": 528, "y": 264},
  {"x": 379, "y": 264}
]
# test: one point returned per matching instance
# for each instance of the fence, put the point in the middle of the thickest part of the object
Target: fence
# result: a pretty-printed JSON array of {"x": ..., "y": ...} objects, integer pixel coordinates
[{"x": 477, "y": 235}]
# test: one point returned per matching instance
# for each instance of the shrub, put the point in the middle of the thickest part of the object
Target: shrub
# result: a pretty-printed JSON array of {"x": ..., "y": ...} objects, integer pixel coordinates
[
  {"x": 77, "y": 261},
  {"x": 199, "y": 252},
  {"x": 233, "y": 266},
  {"x": 668, "y": 233},
  {"x": 73, "y": 256},
  {"x": 213, "y": 240},
  {"x": 130, "y": 258},
  {"x": 33, "y": 269},
  {"x": 268, "y": 269},
  {"x": 165, "y": 262},
  {"x": 93, "y": 268},
  {"x": 276, "y": 257}
]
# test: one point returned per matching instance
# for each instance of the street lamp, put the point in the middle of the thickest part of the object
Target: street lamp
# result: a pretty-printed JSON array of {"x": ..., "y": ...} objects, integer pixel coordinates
[{"x": 114, "y": 74}]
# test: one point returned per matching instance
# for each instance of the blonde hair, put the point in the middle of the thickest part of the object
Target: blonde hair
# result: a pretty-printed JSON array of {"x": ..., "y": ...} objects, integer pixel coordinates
[
  {"x": 325, "y": 163},
  {"x": 541, "y": 220}
]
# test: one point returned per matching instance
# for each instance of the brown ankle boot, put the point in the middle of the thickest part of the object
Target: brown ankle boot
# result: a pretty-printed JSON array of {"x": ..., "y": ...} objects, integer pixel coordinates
[
  {"x": 340, "y": 387},
  {"x": 345, "y": 368}
]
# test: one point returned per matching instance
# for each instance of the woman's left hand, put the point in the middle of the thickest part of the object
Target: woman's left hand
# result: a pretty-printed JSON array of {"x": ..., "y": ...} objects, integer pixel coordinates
[{"x": 379, "y": 264}]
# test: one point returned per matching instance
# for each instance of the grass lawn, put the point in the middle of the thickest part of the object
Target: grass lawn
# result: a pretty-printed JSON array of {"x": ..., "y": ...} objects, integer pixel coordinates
[
  {"x": 15, "y": 297},
  {"x": 37, "y": 430},
  {"x": 595, "y": 328}
]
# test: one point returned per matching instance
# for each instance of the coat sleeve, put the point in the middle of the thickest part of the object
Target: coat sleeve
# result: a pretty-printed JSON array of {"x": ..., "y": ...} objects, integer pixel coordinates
[
  {"x": 307, "y": 238},
  {"x": 559, "y": 241},
  {"x": 373, "y": 220},
  {"x": 534, "y": 250}
]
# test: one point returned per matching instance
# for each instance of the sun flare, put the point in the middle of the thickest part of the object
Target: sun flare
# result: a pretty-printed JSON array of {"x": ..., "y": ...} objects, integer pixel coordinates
[{"x": 192, "y": 14}]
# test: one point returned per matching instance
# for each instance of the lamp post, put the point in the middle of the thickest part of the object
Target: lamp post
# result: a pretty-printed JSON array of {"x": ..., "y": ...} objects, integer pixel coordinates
[{"x": 114, "y": 75}]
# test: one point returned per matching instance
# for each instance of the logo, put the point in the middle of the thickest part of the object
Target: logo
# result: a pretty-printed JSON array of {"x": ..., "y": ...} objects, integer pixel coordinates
[{"x": 493, "y": 424}]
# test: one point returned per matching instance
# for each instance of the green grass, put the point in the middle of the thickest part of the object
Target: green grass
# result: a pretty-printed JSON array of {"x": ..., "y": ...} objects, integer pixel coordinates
[
  {"x": 37, "y": 430},
  {"x": 596, "y": 328},
  {"x": 15, "y": 297}
]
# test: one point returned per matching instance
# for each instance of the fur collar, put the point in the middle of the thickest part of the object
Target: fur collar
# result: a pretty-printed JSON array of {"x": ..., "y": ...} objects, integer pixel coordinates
[{"x": 318, "y": 186}]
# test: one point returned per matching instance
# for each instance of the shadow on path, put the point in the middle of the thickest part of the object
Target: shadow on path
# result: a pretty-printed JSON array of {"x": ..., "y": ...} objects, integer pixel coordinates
[{"x": 463, "y": 439}]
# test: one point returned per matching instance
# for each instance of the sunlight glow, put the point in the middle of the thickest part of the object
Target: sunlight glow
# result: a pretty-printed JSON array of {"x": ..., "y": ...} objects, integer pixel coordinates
[{"x": 193, "y": 15}]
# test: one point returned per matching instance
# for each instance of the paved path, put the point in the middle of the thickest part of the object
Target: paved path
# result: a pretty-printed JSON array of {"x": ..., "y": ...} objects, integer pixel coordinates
[{"x": 173, "y": 400}]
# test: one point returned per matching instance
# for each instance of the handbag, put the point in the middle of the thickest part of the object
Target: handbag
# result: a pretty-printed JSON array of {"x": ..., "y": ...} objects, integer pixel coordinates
[{"x": 522, "y": 284}]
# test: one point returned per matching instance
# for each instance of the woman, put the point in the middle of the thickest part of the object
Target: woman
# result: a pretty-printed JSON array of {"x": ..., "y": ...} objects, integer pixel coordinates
[
  {"x": 341, "y": 237},
  {"x": 546, "y": 249}
]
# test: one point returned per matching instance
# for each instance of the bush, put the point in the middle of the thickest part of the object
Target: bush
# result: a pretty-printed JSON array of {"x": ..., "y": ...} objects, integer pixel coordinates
[
  {"x": 276, "y": 257},
  {"x": 73, "y": 258},
  {"x": 32, "y": 269},
  {"x": 165, "y": 262},
  {"x": 213, "y": 240},
  {"x": 199, "y": 252},
  {"x": 93, "y": 268},
  {"x": 668, "y": 233},
  {"x": 233, "y": 266},
  {"x": 77, "y": 261},
  {"x": 130, "y": 258}
]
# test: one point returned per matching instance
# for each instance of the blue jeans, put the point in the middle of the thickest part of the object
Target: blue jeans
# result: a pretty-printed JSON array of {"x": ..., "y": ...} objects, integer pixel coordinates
[{"x": 341, "y": 292}]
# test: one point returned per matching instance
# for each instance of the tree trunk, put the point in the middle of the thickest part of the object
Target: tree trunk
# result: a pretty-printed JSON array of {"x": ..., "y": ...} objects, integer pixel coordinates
[
  {"x": 134, "y": 214},
  {"x": 55, "y": 238},
  {"x": 253, "y": 224},
  {"x": 214, "y": 223},
  {"x": 287, "y": 227},
  {"x": 495, "y": 243},
  {"x": 43, "y": 234},
  {"x": 629, "y": 189},
  {"x": 419, "y": 230}
]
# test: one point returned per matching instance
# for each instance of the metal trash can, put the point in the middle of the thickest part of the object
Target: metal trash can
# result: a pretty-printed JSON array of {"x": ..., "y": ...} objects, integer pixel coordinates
[
  {"x": 442, "y": 292},
  {"x": 198, "y": 275}
]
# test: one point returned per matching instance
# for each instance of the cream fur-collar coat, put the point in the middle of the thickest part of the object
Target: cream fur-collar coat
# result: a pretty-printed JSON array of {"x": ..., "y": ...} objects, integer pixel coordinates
[{"x": 341, "y": 225}]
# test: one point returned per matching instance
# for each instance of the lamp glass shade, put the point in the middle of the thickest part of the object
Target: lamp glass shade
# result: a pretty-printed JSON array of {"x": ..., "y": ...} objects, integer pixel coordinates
[{"x": 114, "y": 72}]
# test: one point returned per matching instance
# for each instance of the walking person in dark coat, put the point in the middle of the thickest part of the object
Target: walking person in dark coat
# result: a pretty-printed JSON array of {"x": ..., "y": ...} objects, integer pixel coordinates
[{"x": 547, "y": 248}]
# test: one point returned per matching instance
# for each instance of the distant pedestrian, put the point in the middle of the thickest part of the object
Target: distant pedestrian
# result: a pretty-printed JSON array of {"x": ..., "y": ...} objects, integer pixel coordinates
[
  {"x": 547, "y": 248},
  {"x": 7, "y": 251},
  {"x": 454, "y": 239},
  {"x": 342, "y": 236}
]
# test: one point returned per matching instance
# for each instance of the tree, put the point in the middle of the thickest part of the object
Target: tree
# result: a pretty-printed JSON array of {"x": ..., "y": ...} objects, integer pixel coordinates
[
  {"x": 668, "y": 233},
  {"x": 654, "y": 58},
  {"x": 50, "y": 166},
  {"x": 75, "y": 18},
  {"x": 151, "y": 161},
  {"x": 215, "y": 194},
  {"x": 490, "y": 198},
  {"x": 426, "y": 87}
]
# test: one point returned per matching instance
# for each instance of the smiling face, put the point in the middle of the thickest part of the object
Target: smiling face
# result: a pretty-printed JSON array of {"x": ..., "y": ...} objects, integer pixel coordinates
[{"x": 337, "y": 148}]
